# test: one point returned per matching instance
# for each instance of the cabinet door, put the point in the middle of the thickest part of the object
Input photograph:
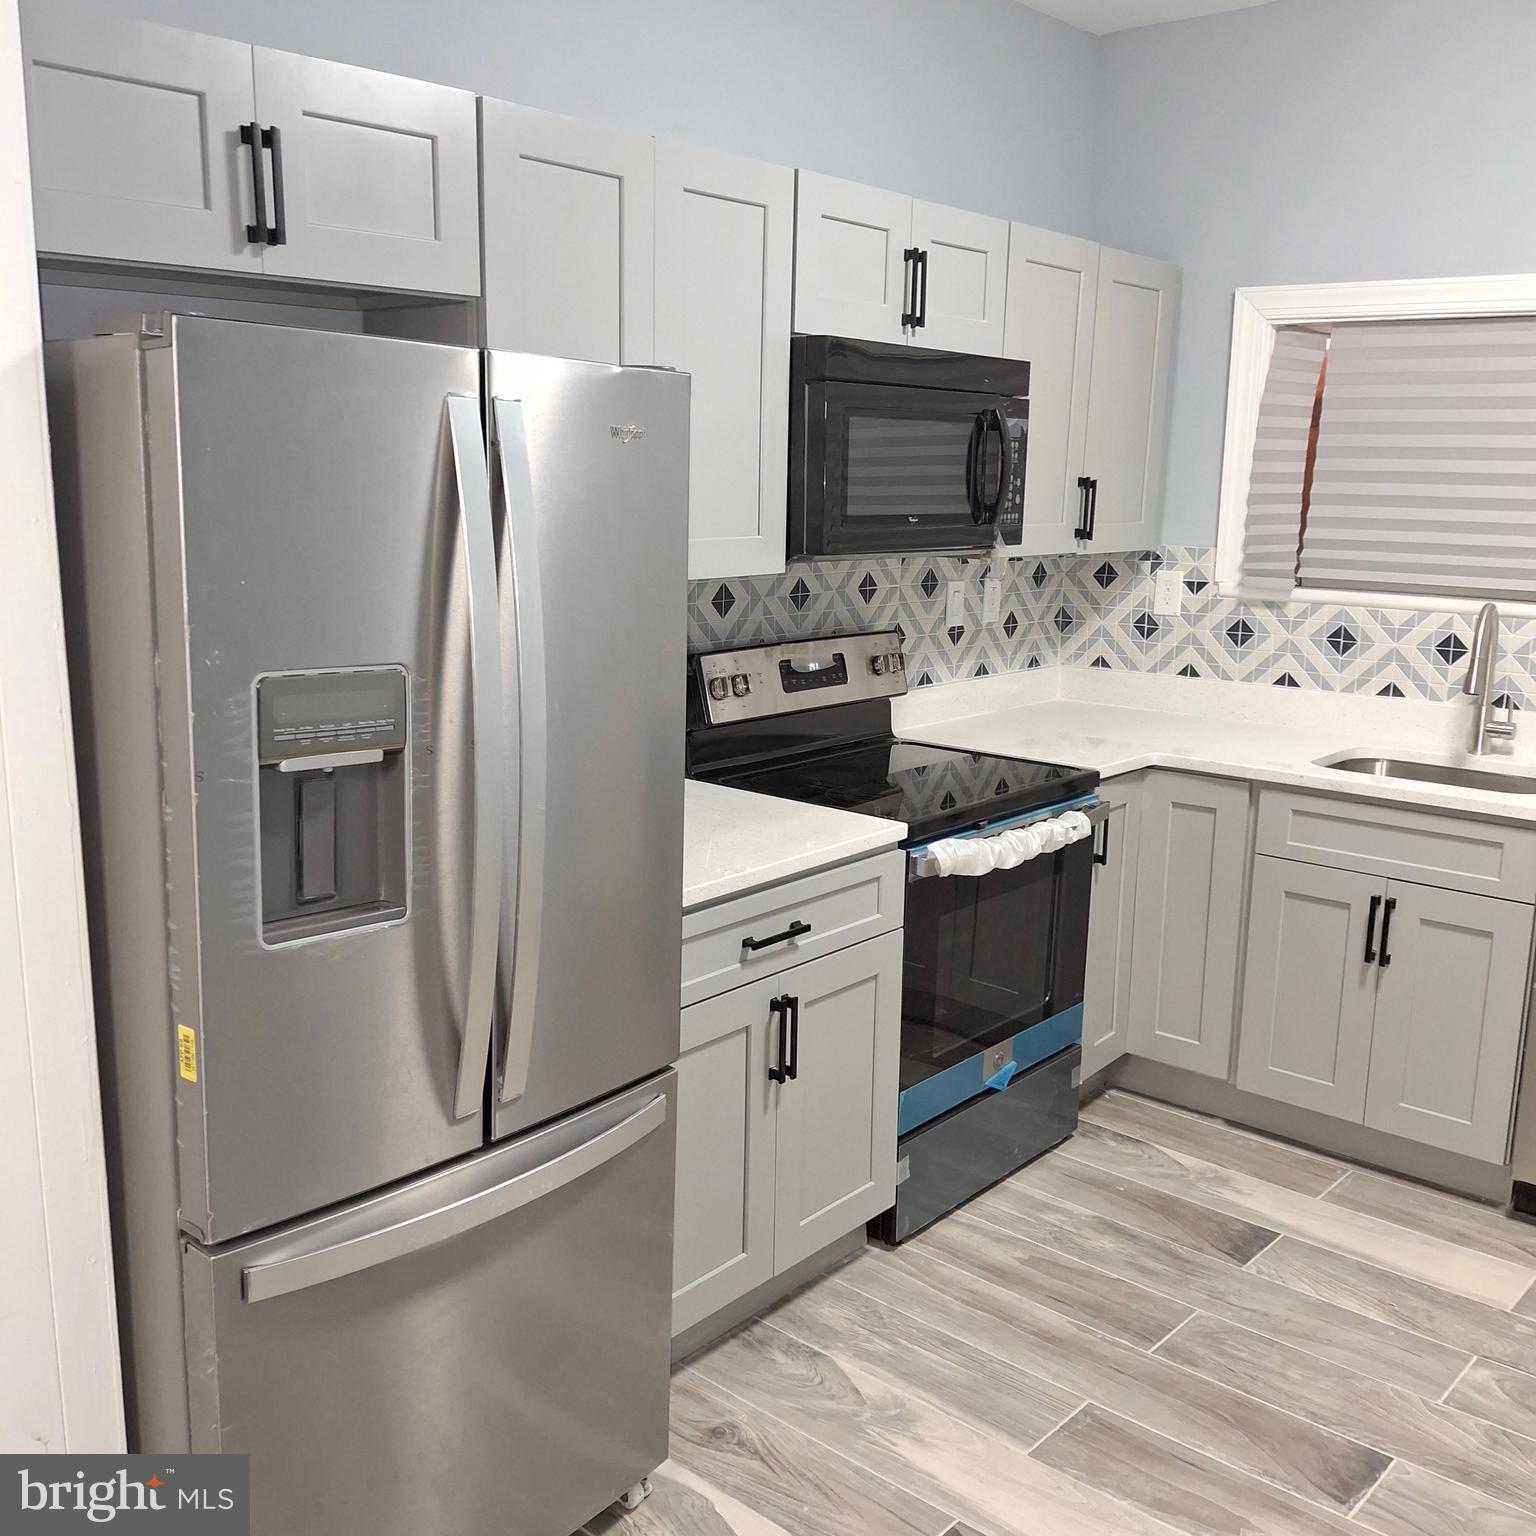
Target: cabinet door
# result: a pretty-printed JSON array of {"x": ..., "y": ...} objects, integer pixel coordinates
[
  {"x": 723, "y": 1224},
  {"x": 1450, "y": 1012},
  {"x": 135, "y": 140},
  {"x": 1052, "y": 290},
  {"x": 850, "y": 271},
  {"x": 1189, "y": 897},
  {"x": 836, "y": 1157},
  {"x": 967, "y": 279},
  {"x": 569, "y": 236},
  {"x": 1134, "y": 324},
  {"x": 1111, "y": 918},
  {"x": 724, "y": 259},
  {"x": 1309, "y": 990},
  {"x": 380, "y": 176}
]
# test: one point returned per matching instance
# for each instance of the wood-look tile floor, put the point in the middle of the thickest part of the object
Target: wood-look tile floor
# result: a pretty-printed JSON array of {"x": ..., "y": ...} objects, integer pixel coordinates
[{"x": 1166, "y": 1325}]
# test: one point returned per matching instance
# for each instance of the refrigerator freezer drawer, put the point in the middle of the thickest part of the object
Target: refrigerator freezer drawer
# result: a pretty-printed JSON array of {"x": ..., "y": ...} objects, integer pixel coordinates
[{"x": 483, "y": 1350}]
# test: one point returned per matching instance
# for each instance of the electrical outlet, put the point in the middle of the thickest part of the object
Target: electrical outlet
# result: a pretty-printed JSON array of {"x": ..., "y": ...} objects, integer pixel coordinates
[
  {"x": 954, "y": 605},
  {"x": 991, "y": 599},
  {"x": 1168, "y": 593}
]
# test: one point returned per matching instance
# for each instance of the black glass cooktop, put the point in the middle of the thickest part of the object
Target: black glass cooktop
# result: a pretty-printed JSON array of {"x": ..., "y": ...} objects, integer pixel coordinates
[{"x": 933, "y": 789}]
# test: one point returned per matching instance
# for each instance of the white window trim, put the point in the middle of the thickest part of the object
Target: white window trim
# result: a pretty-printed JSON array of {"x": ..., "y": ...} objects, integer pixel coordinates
[{"x": 1257, "y": 313}]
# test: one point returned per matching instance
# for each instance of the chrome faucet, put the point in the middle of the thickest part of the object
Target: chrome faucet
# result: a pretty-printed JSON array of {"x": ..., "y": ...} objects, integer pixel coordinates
[{"x": 1482, "y": 667}]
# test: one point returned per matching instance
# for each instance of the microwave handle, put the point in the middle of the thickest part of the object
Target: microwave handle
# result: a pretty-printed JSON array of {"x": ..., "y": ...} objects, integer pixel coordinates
[
  {"x": 1005, "y": 450},
  {"x": 973, "y": 470},
  {"x": 983, "y": 511}
]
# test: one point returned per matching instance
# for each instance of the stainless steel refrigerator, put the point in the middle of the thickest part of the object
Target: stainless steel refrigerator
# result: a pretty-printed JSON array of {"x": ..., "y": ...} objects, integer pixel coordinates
[{"x": 376, "y": 651}]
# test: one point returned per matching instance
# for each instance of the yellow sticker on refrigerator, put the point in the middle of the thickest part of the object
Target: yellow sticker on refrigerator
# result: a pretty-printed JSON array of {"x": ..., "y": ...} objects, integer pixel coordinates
[{"x": 186, "y": 1052}]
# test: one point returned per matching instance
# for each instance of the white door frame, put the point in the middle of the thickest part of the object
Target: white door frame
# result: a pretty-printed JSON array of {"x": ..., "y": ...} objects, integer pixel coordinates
[{"x": 60, "y": 1381}]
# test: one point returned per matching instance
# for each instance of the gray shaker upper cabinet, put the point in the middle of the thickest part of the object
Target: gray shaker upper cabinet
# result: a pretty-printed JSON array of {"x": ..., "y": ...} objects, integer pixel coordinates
[
  {"x": 882, "y": 266},
  {"x": 135, "y": 140},
  {"x": 850, "y": 270},
  {"x": 1134, "y": 328},
  {"x": 1053, "y": 289},
  {"x": 379, "y": 175},
  {"x": 569, "y": 235},
  {"x": 354, "y": 177}
]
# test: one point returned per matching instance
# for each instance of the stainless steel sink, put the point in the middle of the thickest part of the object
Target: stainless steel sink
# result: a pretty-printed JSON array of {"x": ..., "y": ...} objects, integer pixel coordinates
[{"x": 1435, "y": 773}]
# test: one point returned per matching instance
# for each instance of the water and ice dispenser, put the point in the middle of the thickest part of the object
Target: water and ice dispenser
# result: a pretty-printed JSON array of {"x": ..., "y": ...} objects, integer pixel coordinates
[{"x": 334, "y": 793}]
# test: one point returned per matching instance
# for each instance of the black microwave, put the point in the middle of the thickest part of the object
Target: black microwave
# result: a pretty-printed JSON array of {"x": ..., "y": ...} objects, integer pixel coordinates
[{"x": 897, "y": 450}]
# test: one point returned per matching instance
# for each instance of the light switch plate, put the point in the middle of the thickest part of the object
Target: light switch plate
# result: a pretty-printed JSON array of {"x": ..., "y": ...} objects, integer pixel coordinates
[
  {"x": 1168, "y": 593},
  {"x": 954, "y": 605},
  {"x": 991, "y": 600}
]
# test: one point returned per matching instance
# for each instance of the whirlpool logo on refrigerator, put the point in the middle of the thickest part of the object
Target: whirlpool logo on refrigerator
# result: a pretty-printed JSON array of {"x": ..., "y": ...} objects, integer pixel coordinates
[{"x": 133, "y": 1493}]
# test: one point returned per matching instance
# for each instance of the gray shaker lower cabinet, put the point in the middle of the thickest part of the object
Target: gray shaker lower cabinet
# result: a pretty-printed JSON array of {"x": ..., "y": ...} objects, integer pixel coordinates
[
  {"x": 1191, "y": 868},
  {"x": 1111, "y": 918},
  {"x": 770, "y": 1172},
  {"x": 1309, "y": 992},
  {"x": 726, "y": 1135},
  {"x": 835, "y": 1159},
  {"x": 1450, "y": 1011}
]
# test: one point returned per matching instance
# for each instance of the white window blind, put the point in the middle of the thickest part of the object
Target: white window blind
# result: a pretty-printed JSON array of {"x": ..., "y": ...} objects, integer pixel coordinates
[
  {"x": 1272, "y": 529},
  {"x": 1425, "y": 472}
]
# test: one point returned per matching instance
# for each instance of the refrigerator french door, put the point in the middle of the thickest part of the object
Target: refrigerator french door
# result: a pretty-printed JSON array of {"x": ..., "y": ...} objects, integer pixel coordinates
[{"x": 339, "y": 715}]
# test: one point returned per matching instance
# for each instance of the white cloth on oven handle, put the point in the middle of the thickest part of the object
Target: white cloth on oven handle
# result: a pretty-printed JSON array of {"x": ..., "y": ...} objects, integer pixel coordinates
[{"x": 1004, "y": 850}]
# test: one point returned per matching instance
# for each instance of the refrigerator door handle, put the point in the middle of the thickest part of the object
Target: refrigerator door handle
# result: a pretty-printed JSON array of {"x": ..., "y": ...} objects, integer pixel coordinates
[
  {"x": 528, "y": 921},
  {"x": 474, "y": 487},
  {"x": 281, "y": 1277}
]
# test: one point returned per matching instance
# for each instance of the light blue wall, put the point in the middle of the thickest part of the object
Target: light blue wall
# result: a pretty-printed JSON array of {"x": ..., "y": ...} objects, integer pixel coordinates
[
  {"x": 980, "y": 103},
  {"x": 1311, "y": 141}
]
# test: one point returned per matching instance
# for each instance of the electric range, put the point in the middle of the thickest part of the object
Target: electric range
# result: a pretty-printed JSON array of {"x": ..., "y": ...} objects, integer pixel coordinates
[{"x": 995, "y": 933}]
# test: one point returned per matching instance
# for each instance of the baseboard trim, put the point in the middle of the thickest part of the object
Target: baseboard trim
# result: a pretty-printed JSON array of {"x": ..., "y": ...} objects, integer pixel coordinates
[
  {"x": 1321, "y": 1133},
  {"x": 691, "y": 1340}
]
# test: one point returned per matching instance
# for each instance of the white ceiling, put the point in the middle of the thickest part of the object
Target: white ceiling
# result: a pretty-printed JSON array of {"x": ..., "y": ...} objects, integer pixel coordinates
[{"x": 1103, "y": 16}]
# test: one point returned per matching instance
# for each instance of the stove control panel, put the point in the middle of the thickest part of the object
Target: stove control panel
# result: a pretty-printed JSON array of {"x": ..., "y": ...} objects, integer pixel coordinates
[{"x": 762, "y": 680}]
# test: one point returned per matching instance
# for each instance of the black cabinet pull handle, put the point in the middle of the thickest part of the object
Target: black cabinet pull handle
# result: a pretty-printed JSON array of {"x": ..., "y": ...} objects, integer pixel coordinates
[
  {"x": 778, "y": 1008},
  {"x": 1370, "y": 931},
  {"x": 796, "y": 930},
  {"x": 1081, "y": 531},
  {"x": 909, "y": 287},
  {"x": 1093, "y": 508},
  {"x": 1101, "y": 855},
  {"x": 1386, "y": 930},
  {"x": 251, "y": 136},
  {"x": 792, "y": 1008},
  {"x": 920, "y": 289},
  {"x": 278, "y": 234}
]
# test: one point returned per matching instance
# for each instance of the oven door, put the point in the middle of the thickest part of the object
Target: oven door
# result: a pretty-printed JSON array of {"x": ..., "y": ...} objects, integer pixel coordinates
[
  {"x": 888, "y": 469},
  {"x": 993, "y": 970}
]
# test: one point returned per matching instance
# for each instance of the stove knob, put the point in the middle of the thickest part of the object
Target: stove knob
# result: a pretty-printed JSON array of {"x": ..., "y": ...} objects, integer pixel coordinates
[
  {"x": 877, "y": 665},
  {"x": 718, "y": 687},
  {"x": 741, "y": 685}
]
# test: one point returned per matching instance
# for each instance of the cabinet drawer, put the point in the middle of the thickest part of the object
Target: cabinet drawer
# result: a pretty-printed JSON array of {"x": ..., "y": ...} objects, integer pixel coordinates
[
  {"x": 1460, "y": 853},
  {"x": 837, "y": 907}
]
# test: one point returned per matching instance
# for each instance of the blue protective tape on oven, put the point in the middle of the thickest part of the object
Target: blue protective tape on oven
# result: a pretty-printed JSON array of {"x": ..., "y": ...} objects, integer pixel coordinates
[
  {"x": 1004, "y": 823},
  {"x": 930, "y": 1098}
]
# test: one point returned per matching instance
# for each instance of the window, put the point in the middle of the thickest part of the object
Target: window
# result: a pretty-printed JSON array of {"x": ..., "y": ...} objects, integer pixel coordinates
[{"x": 1381, "y": 444}]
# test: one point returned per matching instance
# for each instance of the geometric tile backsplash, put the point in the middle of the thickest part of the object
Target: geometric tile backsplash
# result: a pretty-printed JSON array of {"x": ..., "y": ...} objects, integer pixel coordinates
[{"x": 1097, "y": 611}]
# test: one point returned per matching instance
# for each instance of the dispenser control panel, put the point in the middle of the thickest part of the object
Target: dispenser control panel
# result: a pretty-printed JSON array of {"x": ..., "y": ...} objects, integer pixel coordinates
[{"x": 357, "y": 709}]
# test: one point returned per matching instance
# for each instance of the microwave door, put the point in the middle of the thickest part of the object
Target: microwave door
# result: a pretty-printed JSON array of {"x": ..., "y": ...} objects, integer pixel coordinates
[{"x": 901, "y": 469}]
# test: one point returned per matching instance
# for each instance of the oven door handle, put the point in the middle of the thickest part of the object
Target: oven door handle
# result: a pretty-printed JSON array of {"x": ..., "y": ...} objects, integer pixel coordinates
[{"x": 921, "y": 862}]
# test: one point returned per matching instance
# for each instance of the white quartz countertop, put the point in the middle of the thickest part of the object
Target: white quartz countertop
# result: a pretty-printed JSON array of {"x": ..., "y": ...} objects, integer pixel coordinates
[
  {"x": 735, "y": 841},
  {"x": 1121, "y": 722}
]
